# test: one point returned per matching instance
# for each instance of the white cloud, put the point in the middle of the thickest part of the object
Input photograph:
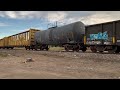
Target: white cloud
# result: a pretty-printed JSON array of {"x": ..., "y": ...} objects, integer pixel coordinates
[
  {"x": 87, "y": 17},
  {"x": 56, "y": 16},
  {"x": 11, "y": 14},
  {"x": 91, "y": 17},
  {"x": 18, "y": 14},
  {"x": 100, "y": 17}
]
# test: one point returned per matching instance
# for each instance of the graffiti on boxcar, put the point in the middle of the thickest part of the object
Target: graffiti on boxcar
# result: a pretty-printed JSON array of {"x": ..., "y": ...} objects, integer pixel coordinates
[{"x": 99, "y": 36}]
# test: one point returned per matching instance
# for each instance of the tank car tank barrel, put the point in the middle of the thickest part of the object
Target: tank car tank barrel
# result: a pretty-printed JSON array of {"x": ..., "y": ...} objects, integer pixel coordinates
[{"x": 70, "y": 34}]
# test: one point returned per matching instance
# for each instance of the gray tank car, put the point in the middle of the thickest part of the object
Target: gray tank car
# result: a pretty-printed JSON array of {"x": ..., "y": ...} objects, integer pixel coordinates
[{"x": 70, "y": 36}]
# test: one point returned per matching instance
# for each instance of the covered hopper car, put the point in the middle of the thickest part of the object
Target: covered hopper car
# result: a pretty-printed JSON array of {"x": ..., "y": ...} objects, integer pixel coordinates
[{"x": 70, "y": 36}]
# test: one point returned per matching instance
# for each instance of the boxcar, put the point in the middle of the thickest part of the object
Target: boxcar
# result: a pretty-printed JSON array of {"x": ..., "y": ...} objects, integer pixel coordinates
[{"x": 104, "y": 37}]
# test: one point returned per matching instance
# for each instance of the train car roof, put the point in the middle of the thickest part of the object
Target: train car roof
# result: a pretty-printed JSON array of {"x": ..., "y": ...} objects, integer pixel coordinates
[
  {"x": 20, "y": 33},
  {"x": 24, "y": 32},
  {"x": 102, "y": 23},
  {"x": 64, "y": 25}
]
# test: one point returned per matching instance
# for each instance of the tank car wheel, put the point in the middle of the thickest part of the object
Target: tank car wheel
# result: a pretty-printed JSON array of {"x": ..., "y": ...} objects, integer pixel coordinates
[
  {"x": 77, "y": 48},
  {"x": 93, "y": 49},
  {"x": 101, "y": 51},
  {"x": 66, "y": 48},
  {"x": 84, "y": 49},
  {"x": 73, "y": 49},
  {"x": 41, "y": 48},
  {"x": 47, "y": 49}
]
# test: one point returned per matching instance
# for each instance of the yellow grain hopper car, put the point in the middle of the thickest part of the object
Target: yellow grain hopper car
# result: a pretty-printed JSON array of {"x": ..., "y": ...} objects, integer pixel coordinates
[
  {"x": 1, "y": 43},
  {"x": 23, "y": 39}
]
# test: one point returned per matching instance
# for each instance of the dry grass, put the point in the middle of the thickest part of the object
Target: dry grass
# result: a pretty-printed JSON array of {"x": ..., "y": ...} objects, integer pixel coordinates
[
  {"x": 3, "y": 54},
  {"x": 56, "y": 48}
]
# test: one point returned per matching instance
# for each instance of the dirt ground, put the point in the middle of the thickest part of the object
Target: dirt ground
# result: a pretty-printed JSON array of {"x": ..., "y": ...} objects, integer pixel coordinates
[{"x": 58, "y": 65}]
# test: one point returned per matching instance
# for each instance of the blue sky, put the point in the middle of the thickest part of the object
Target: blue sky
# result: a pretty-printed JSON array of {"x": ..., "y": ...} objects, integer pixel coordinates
[
  {"x": 13, "y": 26},
  {"x": 12, "y": 22}
]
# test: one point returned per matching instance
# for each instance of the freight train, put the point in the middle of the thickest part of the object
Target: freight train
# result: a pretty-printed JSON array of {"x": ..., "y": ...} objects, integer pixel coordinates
[
  {"x": 70, "y": 36},
  {"x": 75, "y": 36}
]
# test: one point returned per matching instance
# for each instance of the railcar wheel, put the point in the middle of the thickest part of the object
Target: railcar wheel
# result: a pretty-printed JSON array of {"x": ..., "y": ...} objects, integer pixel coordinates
[
  {"x": 66, "y": 47},
  {"x": 93, "y": 49},
  {"x": 73, "y": 49},
  {"x": 26, "y": 48},
  {"x": 117, "y": 51},
  {"x": 47, "y": 49},
  {"x": 84, "y": 49},
  {"x": 12, "y": 47},
  {"x": 36, "y": 48},
  {"x": 112, "y": 50},
  {"x": 41, "y": 48},
  {"x": 101, "y": 51},
  {"x": 78, "y": 48}
]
